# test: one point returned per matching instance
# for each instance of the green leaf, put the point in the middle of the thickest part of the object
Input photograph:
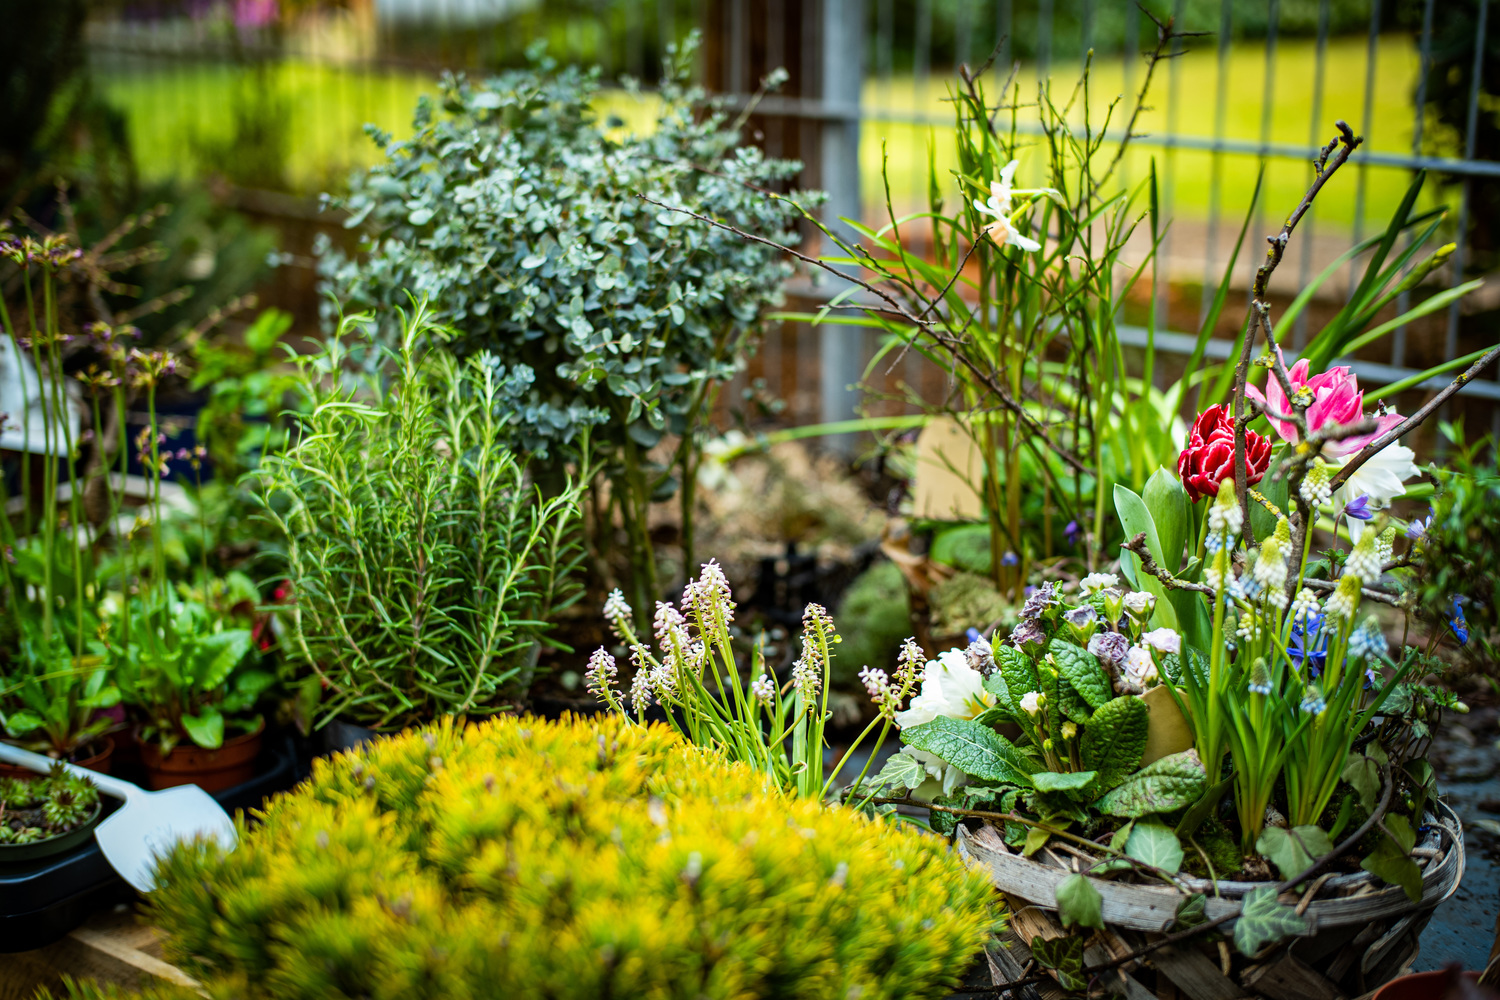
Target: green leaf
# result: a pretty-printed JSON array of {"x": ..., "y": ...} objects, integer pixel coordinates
[
  {"x": 1191, "y": 912},
  {"x": 1391, "y": 860},
  {"x": 1079, "y": 903},
  {"x": 1135, "y": 518},
  {"x": 995, "y": 684},
  {"x": 1364, "y": 775},
  {"x": 1036, "y": 837},
  {"x": 1263, "y": 921},
  {"x": 215, "y": 657},
  {"x": 1082, "y": 671},
  {"x": 1115, "y": 739},
  {"x": 1062, "y": 781},
  {"x": 1017, "y": 671},
  {"x": 1166, "y": 785},
  {"x": 25, "y": 721},
  {"x": 1292, "y": 851},
  {"x": 1171, "y": 513},
  {"x": 1063, "y": 957},
  {"x": 902, "y": 770},
  {"x": 1155, "y": 845},
  {"x": 976, "y": 750},
  {"x": 206, "y": 729}
]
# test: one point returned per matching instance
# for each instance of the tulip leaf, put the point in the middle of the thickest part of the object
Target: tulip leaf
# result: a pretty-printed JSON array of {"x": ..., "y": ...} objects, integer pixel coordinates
[
  {"x": 1082, "y": 671},
  {"x": 1135, "y": 518},
  {"x": 1079, "y": 903},
  {"x": 976, "y": 750},
  {"x": 1155, "y": 845},
  {"x": 1166, "y": 785},
  {"x": 1263, "y": 921},
  {"x": 1115, "y": 739},
  {"x": 1172, "y": 513}
]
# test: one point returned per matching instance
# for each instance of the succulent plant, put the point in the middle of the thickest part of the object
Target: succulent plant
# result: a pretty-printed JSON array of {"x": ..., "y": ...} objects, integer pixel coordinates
[
  {"x": 33, "y": 809},
  {"x": 579, "y": 858},
  {"x": 18, "y": 793}
]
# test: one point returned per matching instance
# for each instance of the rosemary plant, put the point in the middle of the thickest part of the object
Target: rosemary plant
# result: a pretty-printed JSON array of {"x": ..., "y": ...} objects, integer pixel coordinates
[{"x": 423, "y": 564}]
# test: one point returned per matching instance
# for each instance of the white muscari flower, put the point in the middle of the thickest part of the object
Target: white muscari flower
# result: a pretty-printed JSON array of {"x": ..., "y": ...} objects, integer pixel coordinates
[
  {"x": 1095, "y": 582},
  {"x": 1163, "y": 640},
  {"x": 1343, "y": 602},
  {"x": 640, "y": 691},
  {"x": 1306, "y": 606},
  {"x": 600, "y": 675},
  {"x": 1315, "y": 488},
  {"x": 877, "y": 684},
  {"x": 670, "y": 628},
  {"x": 1032, "y": 702},
  {"x": 950, "y": 687},
  {"x": 1365, "y": 562},
  {"x": 763, "y": 689},
  {"x": 711, "y": 593},
  {"x": 1249, "y": 626},
  {"x": 617, "y": 612},
  {"x": 1225, "y": 516},
  {"x": 1260, "y": 683}
]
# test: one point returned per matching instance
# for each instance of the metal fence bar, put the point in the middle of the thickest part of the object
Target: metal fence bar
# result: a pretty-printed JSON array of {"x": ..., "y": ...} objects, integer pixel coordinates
[
  {"x": 1314, "y": 129},
  {"x": 1216, "y": 163}
]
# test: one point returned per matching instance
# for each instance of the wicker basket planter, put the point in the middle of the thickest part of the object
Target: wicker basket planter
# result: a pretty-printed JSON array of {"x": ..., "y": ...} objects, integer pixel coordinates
[{"x": 1362, "y": 932}]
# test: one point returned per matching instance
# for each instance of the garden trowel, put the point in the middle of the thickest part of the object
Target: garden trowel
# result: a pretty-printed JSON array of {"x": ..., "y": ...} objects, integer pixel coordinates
[{"x": 148, "y": 824}]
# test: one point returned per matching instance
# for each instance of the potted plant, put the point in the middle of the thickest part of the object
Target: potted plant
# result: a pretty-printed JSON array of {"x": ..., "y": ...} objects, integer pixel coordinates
[
  {"x": 193, "y": 679},
  {"x": 421, "y": 563},
  {"x": 40, "y": 817}
]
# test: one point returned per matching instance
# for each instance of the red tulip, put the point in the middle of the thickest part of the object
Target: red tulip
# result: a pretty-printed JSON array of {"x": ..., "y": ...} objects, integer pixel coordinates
[{"x": 1208, "y": 458}]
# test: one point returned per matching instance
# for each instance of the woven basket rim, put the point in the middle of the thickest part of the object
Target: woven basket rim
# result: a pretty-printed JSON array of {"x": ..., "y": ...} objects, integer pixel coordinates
[{"x": 1361, "y": 897}]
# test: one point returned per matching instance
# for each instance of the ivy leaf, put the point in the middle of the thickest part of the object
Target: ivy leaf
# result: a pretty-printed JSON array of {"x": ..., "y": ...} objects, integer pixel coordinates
[
  {"x": 1391, "y": 860},
  {"x": 1062, "y": 781},
  {"x": 1264, "y": 921},
  {"x": 1364, "y": 775},
  {"x": 1292, "y": 851},
  {"x": 1155, "y": 845},
  {"x": 1082, "y": 671},
  {"x": 1078, "y": 902},
  {"x": 1063, "y": 957},
  {"x": 1191, "y": 912},
  {"x": 1115, "y": 739},
  {"x": 1017, "y": 671},
  {"x": 1166, "y": 785},
  {"x": 976, "y": 750},
  {"x": 901, "y": 770}
]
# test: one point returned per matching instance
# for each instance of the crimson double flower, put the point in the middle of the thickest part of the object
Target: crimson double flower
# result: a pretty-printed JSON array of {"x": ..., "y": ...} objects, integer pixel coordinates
[{"x": 1208, "y": 458}]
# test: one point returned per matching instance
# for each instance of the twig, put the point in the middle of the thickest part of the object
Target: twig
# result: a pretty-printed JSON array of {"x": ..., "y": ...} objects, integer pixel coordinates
[
  {"x": 1368, "y": 451},
  {"x": 1150, "y": 566},
  {"x": 1374, "y": 595}
]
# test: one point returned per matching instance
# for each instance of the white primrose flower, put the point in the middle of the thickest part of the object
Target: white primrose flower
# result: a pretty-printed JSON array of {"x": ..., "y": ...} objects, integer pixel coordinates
[
  {"x": 950, "y": 687},
  {"x": 942, "y": 772},
  {"x": 1140, "y": 603},
  {"x": 1140, "y": 670},
  {"x": 1095, "y": 582},
  {"x": 1163, "y": 640},
  {"x": 1032, "y": 702}
]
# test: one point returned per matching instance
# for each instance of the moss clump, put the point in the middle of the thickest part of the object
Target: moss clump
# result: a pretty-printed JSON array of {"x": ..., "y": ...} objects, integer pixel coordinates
[
  {"x": 875, "y": 618},
  {"x": 964, "y": 601},
  {"x": 583, "y": 858}
]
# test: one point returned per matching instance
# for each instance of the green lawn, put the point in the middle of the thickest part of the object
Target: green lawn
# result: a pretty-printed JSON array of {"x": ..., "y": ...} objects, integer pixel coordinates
[{"x": 321, "y": 111}]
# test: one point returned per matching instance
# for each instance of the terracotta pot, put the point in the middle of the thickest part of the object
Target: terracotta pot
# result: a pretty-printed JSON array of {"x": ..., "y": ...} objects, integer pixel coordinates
[
  {"x": 1419, "y": 986},
  {"x": 99, "y": 760},
  {"x": 211, "y": 770}
]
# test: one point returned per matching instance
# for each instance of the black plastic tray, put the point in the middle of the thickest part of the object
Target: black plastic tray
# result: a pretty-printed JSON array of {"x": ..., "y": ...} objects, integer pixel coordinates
[{"x": 44, "y": 900}]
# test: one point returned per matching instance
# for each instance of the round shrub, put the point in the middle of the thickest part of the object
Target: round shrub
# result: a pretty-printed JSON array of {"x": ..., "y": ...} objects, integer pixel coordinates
[{"x": 582, "y": 858}]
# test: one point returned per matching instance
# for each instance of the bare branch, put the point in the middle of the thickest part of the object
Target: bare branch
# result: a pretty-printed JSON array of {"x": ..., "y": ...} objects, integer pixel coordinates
[{"x": 1152, "y": 567}]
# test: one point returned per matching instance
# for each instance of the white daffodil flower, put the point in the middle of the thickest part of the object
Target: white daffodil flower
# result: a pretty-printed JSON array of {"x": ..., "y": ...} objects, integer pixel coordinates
[
  {"x": 998, "y": 207},
  {"x": 950, "y": 687}
]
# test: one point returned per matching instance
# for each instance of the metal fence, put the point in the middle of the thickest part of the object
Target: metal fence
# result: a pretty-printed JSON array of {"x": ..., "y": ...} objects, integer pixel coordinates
[{"x": 1262, "y": 87}]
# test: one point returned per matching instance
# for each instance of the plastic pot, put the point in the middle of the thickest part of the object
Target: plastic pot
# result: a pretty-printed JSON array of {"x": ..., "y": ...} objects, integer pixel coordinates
[
  {"x": 231, "y": 764},
  {"x": 1419, "y": 986},
  {"x": 16, "y": 853}
]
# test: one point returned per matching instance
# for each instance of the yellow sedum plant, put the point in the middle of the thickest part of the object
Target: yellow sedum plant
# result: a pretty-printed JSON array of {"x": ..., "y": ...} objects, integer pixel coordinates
[{"x": 589, "y": 858}]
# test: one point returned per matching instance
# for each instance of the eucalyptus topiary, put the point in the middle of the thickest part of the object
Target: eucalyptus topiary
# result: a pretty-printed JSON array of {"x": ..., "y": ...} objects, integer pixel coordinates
[
  {"x": 582, "y": 858},
  {"x": 539, "y": 234}
]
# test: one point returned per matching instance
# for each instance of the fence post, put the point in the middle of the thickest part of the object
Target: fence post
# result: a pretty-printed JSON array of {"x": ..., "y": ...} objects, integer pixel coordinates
[{"x": 840, "y": 353}]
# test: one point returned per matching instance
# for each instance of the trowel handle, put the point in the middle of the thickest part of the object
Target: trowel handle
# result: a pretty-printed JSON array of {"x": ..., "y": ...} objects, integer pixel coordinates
[{"x": 114, "y": 787}]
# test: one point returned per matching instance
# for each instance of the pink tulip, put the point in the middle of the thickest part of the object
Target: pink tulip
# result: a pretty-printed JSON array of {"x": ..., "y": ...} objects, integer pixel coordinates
[{"x": 1337, "y": 399}]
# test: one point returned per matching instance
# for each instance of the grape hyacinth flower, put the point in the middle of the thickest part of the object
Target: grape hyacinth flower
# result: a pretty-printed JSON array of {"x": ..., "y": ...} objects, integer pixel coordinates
[
  {"x": 1368, "y": 641},
  {"x": 599, "y": 678},
  {"x": 1072, "y": 532},
  {"x": 763, "y": 689},
  {"x": 617, "y": 612}
]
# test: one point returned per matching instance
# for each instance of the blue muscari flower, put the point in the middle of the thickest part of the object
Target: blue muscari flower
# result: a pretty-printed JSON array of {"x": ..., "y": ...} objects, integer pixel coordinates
[
  {"x": 1009, "y": 559},
  {"x": 1368, "y": 641},
  {"x": 1314, "y": 652},
  {"x": 1259, "y": 688},
  {"x": 1359, "y": 508},
  {"x": 1459, "y": 623},
  {"x": 972, "y": 635},
  {"x": 1213, "y": 543},
  {"x": 1312, "y": 702}
]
